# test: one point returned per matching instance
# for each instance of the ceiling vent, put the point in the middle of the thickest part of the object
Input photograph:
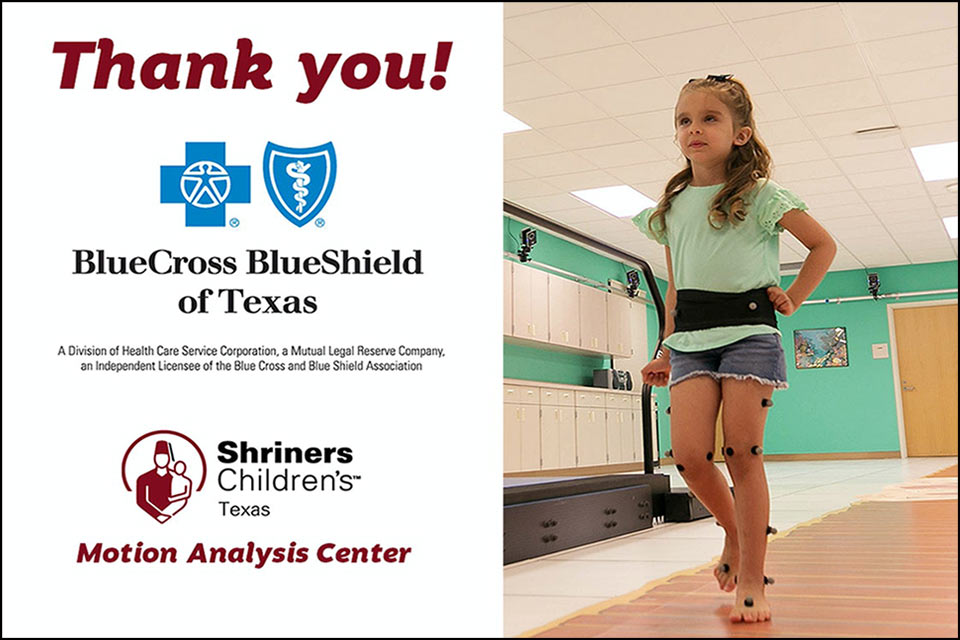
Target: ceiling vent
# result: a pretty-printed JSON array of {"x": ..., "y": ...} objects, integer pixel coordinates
[{"x": 877, "y": 131}]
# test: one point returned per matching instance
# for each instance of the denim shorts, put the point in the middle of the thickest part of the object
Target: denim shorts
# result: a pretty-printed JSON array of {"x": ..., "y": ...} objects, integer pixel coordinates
[{"x": 757, "y": 358}]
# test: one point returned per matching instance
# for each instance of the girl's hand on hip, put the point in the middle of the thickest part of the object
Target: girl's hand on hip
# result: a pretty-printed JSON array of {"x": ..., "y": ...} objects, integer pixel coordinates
[{"x": 781, "y": 301}]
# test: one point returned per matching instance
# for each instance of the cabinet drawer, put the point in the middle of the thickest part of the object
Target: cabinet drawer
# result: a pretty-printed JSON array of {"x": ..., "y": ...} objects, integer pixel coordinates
[
  {"x": 521, "y": 394},
  {"x": 590, "y": 398},
  {"x": 556, "y": 397},
  {"x": 618, "y": 401}
]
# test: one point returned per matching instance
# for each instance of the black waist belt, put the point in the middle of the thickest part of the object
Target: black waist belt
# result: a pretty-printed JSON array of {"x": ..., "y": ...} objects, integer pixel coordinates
[{"x": 707, "y": 309}]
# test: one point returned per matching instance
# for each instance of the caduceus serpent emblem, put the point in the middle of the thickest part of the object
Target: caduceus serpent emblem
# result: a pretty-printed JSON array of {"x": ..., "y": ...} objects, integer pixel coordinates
[
  {"x": 289, "y": 171},
  {"x": 297, "y": 170}
]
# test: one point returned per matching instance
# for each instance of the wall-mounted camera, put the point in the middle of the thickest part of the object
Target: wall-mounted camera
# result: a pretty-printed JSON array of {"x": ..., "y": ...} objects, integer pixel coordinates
[
  {"x": 633, "y": 283},
  {"x": 873, "y": 285},
  {"x": 528, "y": 238}
]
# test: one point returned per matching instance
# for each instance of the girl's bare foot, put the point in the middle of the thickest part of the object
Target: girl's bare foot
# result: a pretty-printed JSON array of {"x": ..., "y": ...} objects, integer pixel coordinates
[
  {"x": 726, "y": 570},
  {"x": 750, "y": 604}
]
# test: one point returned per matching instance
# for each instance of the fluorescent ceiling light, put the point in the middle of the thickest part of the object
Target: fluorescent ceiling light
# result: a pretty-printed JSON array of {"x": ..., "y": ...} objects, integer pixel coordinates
[
  {"x": 622, "y": 201},
  {"x": 951, "y": 225},
  {"x": 511, "y": 124},
  {"x": 936, "y": 161}
]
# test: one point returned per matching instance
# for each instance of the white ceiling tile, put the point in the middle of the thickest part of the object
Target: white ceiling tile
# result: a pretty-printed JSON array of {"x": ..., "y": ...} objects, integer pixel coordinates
[
  {"x": 936, "y": 254},
  {"x": 512, "y": 173},
  {"x": 791, "y": 152},
  {"x": 738, "y": 11},
  {"x": 795, "y": 32},
  {"x": 511, "y": 9},
  {"x": 949, "y": 210},
  {"x": 918, "y": 226},
  {"x": 807, "y": 171},
  {"x": 674, "y": 53},
  {"x": 917, "y": 51},
  {"x": 920, "y": 84},
  {"x": 646, "y": 172},
  {"x": 584, "y": 180},
  {"x": 523, "y": 144},
  {"x": 931, "y": 133},
  {"x": 876, "y": 20},
  {"x": 769, "y": 107},
  {"x": 840, "y": 96},
  {"x": 652, "y": 189},
  {"x": 558, "y": 31},
  {"x": 611, "y": 225},
  {"x": 589, "y": 134},
  {"x": 945, "y": 200},
  {"x": 870, "y": 162},
  {"x": 655, "y": 124},
  {"x": 566, "y": 108},
  {"x": 524, "y": 188},
  {"x": 816, "y": 67},
  {"x": 919, "y": 202},
  {"x": 917, "y": 112},
  {"x": 805, "y": 188},
  {"x": 641, "y": 20},
  {"x": 835, "y": 199},
  {"x": 831, "y": 212},
  {"x": 573, "y": 217},
  {"x": 529, "y": 80},
  {"x": 554, "y": 164},
  {"x": 634, "y": 97},
  {"x": 891, "y": 177},
  {"x": 618, "y": 155},
  {"x": 938, "y": 187},
  {"x": 899, "y": 192},
  {"x": 668, "y": 149},
  {"x": 600, "y": 67},
  {"x": 557, "y": 202},
  {"x": 750, "y": 73},
  {"x": 847, "y": 122},
  {"x": 784, "y": 131},
  {"x": 854, "y": 224},
  {"x": 853, "y": 144},
  {"x": 512, "y": 54}
]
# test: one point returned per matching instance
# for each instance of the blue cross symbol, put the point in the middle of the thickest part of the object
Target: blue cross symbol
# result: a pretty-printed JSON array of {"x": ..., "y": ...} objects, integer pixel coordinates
[{"x": 205, "y": 184}]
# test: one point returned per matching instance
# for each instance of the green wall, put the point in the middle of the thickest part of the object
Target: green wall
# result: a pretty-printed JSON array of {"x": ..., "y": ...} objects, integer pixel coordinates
[{"x": 833, "y": 410}]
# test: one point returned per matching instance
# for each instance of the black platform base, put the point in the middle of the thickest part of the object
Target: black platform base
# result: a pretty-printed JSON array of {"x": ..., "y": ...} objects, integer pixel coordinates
[
  {"x": 545, "y": 515},
  {"x": 683, "y": 506}
]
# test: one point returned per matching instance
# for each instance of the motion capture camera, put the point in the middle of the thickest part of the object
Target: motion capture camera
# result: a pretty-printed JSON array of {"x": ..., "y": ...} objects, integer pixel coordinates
[
  {"x": 528, "y": 238},
  {"x": 633, "y": 283},
  {"x": 873, "y": 285}
]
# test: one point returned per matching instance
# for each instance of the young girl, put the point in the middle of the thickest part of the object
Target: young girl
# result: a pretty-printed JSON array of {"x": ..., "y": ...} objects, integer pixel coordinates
[{"x": 719, "y": 220}]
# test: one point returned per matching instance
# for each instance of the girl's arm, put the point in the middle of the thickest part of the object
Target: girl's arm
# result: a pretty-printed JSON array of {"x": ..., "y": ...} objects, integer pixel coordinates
[
  {"x": 670, "y": 303},
  {"x": 822, "y": 251}
]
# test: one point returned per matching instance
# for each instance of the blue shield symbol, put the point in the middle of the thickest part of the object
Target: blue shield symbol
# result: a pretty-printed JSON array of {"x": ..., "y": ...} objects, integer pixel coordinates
[{"x": 299, "y": 181}]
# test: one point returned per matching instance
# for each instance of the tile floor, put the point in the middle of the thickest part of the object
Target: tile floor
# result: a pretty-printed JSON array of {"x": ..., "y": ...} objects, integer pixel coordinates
[{"x": 541, "y": 590}]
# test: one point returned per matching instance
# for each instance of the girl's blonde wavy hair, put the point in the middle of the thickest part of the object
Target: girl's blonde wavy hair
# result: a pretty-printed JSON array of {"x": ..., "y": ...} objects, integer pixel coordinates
[{"x": 745, "y": 165}]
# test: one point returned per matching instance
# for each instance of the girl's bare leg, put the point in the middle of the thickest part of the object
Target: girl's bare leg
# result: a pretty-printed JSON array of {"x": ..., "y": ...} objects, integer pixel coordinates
[
  {"x": 743, "y": 420},
  {"x": 693, "y": 418}
]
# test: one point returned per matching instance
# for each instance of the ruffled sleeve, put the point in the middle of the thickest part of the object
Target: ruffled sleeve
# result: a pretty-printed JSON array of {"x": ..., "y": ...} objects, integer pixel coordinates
[
  {"x": 641, "y": 220},
  {"x": 771, "y": 203}
]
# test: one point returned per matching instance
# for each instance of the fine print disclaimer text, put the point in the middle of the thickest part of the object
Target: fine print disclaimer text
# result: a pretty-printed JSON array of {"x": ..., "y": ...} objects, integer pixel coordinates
[{"x": 325, "y": 358}]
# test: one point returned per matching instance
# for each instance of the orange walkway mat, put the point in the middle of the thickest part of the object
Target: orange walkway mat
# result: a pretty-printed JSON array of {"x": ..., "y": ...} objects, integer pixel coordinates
[{"x": 873, "y": 569}]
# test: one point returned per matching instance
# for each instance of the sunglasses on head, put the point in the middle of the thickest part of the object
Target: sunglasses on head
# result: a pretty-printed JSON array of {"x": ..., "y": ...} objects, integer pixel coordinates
[{"x": 722, "y": 78}]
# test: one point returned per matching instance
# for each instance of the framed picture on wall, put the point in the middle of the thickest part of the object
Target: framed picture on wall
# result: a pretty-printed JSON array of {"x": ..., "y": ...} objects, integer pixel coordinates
[{"x": 819, "y": 348}]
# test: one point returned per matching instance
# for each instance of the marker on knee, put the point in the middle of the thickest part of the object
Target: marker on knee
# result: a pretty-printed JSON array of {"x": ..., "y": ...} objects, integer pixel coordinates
[
  {"x": 770, "y": 530},
  {"x": 709, "y": 455},
  {"x": 668, "y": 410},
  {"x": 729, "y": 451},
  {"x": 756, "y": 450},
  {"x": 766, "y": 402}
]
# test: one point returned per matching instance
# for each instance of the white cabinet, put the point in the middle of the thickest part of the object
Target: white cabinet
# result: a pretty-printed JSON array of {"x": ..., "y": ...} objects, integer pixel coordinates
[
  {"x": 558, "y": 437},
  {"x": 619, "y": 321},
  {"x": 521, "y": 437},
  {"x": 620, "y": 438},
  {"x": 591, "y": 436},
  {"x": 530, "y": 303},
  {"x": 564, "y": 301},
  {"x": 593, "y": 319}
]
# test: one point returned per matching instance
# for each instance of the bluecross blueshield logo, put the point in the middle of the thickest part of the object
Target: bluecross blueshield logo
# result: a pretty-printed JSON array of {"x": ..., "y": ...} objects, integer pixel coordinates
[
  {"x": 299, "y": 181},
  {"x": 205, "y": 184}
]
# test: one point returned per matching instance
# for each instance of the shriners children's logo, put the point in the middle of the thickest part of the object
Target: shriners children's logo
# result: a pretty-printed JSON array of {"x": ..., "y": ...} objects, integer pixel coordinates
[
  {"x": 167, "y": 466},
  {"x": 299, "y": 181}
]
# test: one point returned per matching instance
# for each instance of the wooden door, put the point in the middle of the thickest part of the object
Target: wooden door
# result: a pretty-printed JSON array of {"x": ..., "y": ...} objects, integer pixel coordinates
[{"x": 927, "y": 356}]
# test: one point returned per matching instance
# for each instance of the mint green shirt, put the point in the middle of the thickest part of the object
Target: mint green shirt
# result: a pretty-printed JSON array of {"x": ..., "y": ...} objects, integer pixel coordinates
[{"x": 729, "y": 260}]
